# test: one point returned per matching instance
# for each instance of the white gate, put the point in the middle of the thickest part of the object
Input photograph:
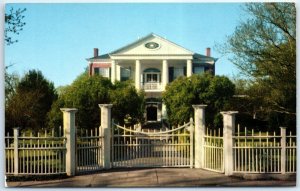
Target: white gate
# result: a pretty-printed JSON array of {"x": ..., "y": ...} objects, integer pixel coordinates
[
  {"x": 213, "y": 151},
  {"x": 89, "y": 150},
  {"x": 136, "y": 148}
]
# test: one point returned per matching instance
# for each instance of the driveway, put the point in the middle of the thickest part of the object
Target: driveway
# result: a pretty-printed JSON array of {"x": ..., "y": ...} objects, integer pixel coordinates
[{"x": 154, "y": 177}]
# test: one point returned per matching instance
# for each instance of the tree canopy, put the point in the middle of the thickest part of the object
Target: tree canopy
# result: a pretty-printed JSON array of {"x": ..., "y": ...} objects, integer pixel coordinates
[
  {"x": 28, "y": 107},
  {"x": 181, "y": 94},
  {"x": 14, "y": 23},
  {"x": 86, "y": 92},
  {"x": 128, "y": 104},
  {"x": 264, "y": 49}
]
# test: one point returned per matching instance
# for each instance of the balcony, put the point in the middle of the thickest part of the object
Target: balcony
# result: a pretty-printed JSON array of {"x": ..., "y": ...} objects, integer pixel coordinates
[{"x": 152, "y": 86}]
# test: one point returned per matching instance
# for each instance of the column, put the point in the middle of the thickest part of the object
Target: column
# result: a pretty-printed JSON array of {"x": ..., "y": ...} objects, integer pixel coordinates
[
  {"x": 164, "y": 111},
  {"x": 159, "y": 114},
  {"x": 189, "y": 68},
  {"x": 106, "y": 130},
  {"x": 118, "y": 72},
  {"x": 228, "y": 141},
  {"x": 199, "y": 112},
  {"x": 69, "y": 129},
  {"x": 137, "y": 74},
  {"x": 165, "y": 74},
  {"x": 113, "y": 71}
]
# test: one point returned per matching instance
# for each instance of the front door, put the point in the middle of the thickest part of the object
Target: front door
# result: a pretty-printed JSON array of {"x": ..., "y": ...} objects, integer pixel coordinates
[{"x": 151, "y": 113}]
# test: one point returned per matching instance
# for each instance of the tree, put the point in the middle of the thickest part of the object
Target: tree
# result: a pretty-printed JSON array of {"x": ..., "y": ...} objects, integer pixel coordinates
[
  {"x": 86, "y": 92},
  {"x": 264, "y": 49},
  {"x": 11, "y": 82},
  {"x": 29, "y": 106},
  {"x": 13, "y": 24},
  {"x": 181, "y": 94},
  {"x": 128, "y": 104}
]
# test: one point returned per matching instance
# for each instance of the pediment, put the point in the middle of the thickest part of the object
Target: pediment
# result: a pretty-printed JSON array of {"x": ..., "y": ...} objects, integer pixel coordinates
[{"x": 151, "y": 45}]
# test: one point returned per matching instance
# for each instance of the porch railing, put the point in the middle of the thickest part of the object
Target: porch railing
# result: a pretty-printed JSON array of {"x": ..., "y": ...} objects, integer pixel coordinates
[{"x": 152, "y": 86}]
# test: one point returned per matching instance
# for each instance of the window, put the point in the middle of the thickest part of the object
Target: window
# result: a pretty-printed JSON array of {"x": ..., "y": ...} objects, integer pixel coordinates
[
  {"x": 125, "y": 74},
  {"x": 102, "y": 71},
  {"x": 198, "y": 70},
  {"x": 178, "y": 72}
]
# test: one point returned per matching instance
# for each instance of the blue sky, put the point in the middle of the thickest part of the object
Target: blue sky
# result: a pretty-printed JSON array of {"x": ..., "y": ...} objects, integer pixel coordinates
[{"x": 58, "y": 38}]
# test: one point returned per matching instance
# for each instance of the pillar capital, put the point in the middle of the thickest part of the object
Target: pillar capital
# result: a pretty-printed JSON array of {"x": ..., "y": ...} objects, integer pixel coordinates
[
  {"x": 105, "y": 105},
  {"x": 200, "y": 106},
  {"x": 229, "y": 112},
  {"x": 70, "y": 110}
]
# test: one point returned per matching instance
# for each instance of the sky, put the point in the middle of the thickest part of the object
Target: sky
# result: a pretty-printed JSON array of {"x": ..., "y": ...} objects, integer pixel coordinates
[{"x": 57, "y": 38}]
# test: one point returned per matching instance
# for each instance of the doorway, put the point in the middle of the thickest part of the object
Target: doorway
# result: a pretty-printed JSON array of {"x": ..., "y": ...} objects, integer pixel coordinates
[{"x": 151, "y": 113}]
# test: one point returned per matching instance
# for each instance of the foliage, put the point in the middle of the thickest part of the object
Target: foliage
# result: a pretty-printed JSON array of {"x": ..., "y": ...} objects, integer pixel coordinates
[
  {"x": 13, "y": 24},
  {"x": 11, "y": 82},
  {"x": 264, "y": 49},
  {"x": 27, "y": 108},
  {"x": 86, "y": 92},
  {"x": 181, "y": 94},
  {"x": 128, "y": 104}
]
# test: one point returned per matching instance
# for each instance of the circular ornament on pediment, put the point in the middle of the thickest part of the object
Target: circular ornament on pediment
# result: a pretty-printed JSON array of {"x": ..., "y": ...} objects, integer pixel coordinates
[{"x": 152, "y": 45}]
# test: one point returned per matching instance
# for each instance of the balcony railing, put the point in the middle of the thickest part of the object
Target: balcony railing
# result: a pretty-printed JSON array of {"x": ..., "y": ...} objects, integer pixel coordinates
[{"x": 152, "y": 86}]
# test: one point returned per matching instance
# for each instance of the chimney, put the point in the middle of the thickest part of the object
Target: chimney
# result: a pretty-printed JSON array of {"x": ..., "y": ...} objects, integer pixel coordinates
[
  {"x": 96, "y": 51},
  {"x": 208, "y": 52}
]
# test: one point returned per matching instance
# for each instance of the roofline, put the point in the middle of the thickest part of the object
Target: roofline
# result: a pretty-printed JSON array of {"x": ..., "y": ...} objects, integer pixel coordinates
[{"x": 145, "y": 37}]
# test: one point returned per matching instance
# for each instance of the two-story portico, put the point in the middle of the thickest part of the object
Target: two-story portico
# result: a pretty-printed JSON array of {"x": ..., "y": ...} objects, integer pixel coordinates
[{"x": 151, "y": 62}]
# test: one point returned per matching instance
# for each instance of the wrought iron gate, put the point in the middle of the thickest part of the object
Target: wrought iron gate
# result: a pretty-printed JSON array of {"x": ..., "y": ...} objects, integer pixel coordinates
[{"x": 132, "y": 147}]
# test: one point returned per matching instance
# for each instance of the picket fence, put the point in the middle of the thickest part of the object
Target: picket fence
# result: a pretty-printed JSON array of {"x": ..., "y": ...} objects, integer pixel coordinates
[
  {"x": 258, "y": 152},
  {"x": 41, "y": 154},
  {"x": 74, "y": 151}
]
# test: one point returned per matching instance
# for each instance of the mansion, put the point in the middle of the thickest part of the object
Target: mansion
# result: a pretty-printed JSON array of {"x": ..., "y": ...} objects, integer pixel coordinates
[{"x": 151, "y": 62}]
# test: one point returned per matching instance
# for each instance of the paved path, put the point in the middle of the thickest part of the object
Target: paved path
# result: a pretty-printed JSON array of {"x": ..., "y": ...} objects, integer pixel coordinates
[{"x": 155, "y": 177}]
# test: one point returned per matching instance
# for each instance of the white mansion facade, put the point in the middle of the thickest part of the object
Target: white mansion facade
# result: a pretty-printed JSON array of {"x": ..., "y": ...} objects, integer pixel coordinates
[{"x": 151, "y": 62}]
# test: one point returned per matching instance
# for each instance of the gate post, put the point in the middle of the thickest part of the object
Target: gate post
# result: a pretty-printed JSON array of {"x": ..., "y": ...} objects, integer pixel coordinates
[
  {"x": 199, "y": 111},
  {"x": 106, "y": 129},
  {"x": 16, "y": 150},
  {"x": 228, "y": 141},
  {"x": 69, "y": 129},
  {"x": 283, "y": 149}
]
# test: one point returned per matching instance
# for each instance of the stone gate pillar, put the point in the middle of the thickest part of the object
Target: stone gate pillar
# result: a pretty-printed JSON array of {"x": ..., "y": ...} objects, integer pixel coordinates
[
  {"x": 199, "y": 111},
  {"x": 70, "y": 129},
  {"x": 106, "y": 130},
  {"x": 228, "y": 141}
]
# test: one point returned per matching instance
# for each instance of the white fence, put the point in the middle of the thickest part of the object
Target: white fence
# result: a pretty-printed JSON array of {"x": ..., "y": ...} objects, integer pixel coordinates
[
  {"x": 138, "y": 148},
  {"x": 41, "y": 154},
  {"x": 190, "y": 145},
  {"x": 264, "y": 152}
]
